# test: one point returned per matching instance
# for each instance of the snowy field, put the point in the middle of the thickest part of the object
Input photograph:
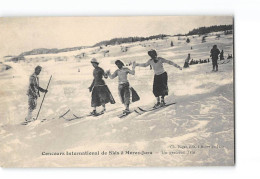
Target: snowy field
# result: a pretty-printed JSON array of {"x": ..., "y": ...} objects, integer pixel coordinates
[{"x": 202, "y": 116}]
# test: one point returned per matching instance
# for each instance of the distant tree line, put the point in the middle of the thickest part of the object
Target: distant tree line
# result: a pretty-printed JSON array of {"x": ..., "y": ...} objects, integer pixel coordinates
[
  {"x": 43, "y": 51},
  {"x": 117, "y": 41},
  {"x": 51, "y": 51},
  {"x": 205, "y": 30}
]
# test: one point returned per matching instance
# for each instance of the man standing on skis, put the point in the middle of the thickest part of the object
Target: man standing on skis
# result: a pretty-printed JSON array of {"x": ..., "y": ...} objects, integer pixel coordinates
[
  {"x": 160, "y": 83},
  {"x": 214, "y": 52},
  {"x": 123, "y": 84},
  {"x": 33, "y": 92}
]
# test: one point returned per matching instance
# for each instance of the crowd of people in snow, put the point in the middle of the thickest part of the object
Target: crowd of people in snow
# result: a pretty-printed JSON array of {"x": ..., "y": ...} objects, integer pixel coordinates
[{"x": 215, "y": 54}]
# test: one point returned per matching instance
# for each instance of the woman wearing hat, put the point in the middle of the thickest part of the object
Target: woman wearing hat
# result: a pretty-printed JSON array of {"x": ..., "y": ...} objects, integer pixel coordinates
[
  {"x": 160, "y": 86},
  {"x": 124, "y": 89},
  {"x": 100, "y": 92}
]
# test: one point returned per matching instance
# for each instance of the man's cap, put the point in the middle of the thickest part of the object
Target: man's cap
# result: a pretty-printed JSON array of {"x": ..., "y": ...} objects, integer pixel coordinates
[{"x": 38, "y": 67}]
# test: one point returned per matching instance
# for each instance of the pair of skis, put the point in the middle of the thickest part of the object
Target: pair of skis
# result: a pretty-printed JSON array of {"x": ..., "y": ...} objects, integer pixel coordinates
[
  {"x": 88, "y": 115},
  {"x": 141, "y": 111},
  {"x": 138, "y": 110},
  {"x": 124, "y": 114},
  {"x": 79, "y": 117}
]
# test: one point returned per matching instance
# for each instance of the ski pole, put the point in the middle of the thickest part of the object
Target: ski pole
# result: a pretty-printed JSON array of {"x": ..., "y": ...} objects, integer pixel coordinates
[{"x": 43, "y": 98}]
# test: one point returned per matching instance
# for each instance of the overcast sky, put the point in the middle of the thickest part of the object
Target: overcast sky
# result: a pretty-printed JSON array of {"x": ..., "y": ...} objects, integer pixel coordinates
[{"x": 23, "y": 34}]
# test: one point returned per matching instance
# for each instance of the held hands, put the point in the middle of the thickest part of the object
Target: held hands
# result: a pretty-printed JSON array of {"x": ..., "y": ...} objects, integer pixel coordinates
[{"x": 108, "y": 72}]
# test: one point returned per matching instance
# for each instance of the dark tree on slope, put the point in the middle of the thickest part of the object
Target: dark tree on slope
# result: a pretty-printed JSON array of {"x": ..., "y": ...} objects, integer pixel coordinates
[
  {"x": 129, "y": 39},
  {"x": 172, "y": 44},
  {"x": 215, "y": 28},
  {"x": 188, "y": 40},
  {"x": 203, "y": 39}
]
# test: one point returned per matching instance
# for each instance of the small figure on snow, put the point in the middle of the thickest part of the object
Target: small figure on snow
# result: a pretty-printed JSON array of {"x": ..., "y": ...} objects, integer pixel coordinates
[
  {"x": 186, "y": 63},
  {"x": 229, "y": 56},
  {"x": 221, "y": 56},
  {"x": 124, "y": 88},
  {"x": 191, "y": 62},
  {"x": 160, "y": 83},
  {"x": 214, "y": 52},
  {"x": 33, "y": 92},
  {"x": 100, "y": 92}
]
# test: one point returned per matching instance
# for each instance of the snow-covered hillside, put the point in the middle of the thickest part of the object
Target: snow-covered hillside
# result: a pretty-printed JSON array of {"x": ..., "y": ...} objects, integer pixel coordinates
[{"x": 197, "y": 130}]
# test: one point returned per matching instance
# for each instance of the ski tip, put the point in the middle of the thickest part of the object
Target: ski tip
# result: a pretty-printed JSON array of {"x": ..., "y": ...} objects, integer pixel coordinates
[
  {"x": 25, "y": 122},
  {"x": 139, "y": 112},
  {"x": 124, "y": 115},
  {"x": 141, "y": 109}
]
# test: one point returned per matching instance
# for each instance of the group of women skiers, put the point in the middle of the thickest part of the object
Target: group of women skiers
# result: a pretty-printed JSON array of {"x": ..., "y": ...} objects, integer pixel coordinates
[{"x": 101, "y": 94}]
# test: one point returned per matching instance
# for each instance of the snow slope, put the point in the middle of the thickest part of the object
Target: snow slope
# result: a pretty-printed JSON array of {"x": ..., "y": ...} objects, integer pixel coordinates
[{"x": 197, "y": 130}]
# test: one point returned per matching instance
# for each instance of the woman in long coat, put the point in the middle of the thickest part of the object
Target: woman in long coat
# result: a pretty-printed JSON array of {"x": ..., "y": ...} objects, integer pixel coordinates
[{"x": 100, "y": 92}]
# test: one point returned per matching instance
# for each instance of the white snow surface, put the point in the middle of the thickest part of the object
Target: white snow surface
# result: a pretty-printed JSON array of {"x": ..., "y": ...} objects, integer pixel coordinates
[{"x": 203, "y": 114}]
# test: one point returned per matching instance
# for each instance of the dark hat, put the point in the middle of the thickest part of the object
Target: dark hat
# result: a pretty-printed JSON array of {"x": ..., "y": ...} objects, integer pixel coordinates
[
  {"x": 152, "y": 52},
  {"x": 119, "y": 62}
]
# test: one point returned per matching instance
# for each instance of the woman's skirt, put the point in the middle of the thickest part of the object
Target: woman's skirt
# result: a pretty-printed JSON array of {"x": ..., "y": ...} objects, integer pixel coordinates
[
  {"x": 160, "y": 85},
  {"x": 125, "y": 93},
  {"x": 101, "y": 95}
]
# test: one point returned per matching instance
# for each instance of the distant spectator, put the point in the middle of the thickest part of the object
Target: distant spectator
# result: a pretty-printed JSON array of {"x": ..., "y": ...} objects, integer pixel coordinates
[
  {"x": 191, "y": 62},
  {"x": 214, "y": 53},
  {"x": 229, "y": 56},
  {"x": 186, "y": 63},
  {"x": 221, "y": 56}
]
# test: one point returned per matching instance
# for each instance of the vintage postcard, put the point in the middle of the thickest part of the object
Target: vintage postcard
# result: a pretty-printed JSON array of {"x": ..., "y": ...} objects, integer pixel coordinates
[{"x": 148, "y": 91}]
